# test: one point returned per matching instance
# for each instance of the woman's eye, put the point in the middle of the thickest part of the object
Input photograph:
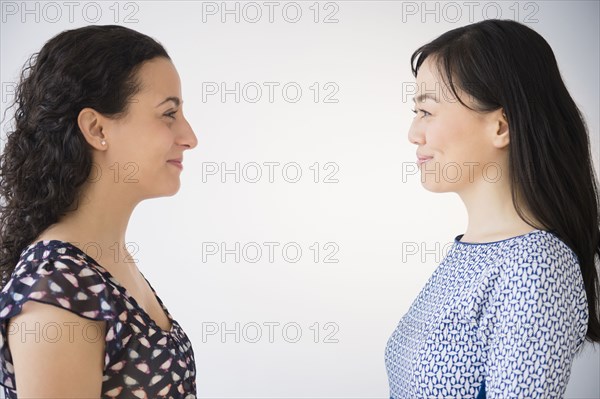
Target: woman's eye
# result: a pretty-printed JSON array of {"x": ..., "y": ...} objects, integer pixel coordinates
[
  {"x": 422, "y": 110},
  {"x": 171, "y": 114}
]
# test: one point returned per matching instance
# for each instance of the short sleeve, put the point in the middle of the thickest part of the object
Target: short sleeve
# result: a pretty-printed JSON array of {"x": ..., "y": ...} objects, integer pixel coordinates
[
  {"x": 66, "y": 282},
  {"x": 536, "y": 322}
]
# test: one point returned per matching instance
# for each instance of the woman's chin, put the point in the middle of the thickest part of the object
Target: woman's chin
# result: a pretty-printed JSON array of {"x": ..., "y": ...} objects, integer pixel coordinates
[
  {"x": 174, "y": 190},
  {"x": 166, "y": 191},
  {"x": 434, "y": 187}
]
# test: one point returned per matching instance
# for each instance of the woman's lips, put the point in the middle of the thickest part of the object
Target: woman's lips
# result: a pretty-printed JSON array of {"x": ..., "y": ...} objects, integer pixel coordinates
[
  {"x": 421, "y": 160},
  {"x": 179, "y": 164}
]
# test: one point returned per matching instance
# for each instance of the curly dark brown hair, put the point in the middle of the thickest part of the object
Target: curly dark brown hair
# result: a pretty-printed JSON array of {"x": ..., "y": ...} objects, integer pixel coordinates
[{"x": 47, "y": 160}]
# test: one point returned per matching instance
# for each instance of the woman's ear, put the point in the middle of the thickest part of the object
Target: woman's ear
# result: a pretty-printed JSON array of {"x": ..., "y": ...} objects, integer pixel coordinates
[
  {"x": 90, "y": 124},
  {"x": 501, "y": 137}
]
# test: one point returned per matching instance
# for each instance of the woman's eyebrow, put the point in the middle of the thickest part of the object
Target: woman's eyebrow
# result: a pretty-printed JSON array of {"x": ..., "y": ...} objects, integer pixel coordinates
[
  {"x": 422, "y": 97},
  {"x": 176, "y": 100}
]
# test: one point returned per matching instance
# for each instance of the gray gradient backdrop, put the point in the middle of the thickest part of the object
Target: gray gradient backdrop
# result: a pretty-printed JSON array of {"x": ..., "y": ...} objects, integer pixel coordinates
[{"x": 307, "y": 326}]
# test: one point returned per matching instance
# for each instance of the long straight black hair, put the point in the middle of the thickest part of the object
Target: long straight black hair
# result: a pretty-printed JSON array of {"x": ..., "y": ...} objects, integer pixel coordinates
[{"x": 505, "y": 64}]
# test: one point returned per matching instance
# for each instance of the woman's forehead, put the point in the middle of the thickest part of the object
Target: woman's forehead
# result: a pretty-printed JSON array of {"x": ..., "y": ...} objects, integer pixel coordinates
[{"x": 159, "y": 76}]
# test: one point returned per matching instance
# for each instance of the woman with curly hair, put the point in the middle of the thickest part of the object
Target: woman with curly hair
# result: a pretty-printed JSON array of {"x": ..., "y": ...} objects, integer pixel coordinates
[
  {"x": 99, "y": 127},
  {"x": 513, "y": 300}
]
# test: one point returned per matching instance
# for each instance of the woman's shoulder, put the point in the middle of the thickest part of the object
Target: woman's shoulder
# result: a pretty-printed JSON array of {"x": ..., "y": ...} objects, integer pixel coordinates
[
  {"x": 542, "y": 247},
  {"x": 542, "y": 262},
  {"x": 539, "y": 263},
  {"x": 56, "y": 272}
]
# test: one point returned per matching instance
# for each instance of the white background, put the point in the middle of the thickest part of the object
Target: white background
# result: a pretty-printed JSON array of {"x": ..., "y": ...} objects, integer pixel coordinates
[{"x": 371, "y": 215}]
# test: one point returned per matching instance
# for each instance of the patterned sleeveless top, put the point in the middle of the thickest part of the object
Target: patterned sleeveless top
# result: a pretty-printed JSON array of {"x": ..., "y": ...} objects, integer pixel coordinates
[
  {"x": 495, "y": 320},
  {"x": 141, "y": 360}
]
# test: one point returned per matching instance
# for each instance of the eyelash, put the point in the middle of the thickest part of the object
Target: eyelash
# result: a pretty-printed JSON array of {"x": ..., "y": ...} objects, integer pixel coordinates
[
  {"x": 170, "y": 114},
  {"x": 422, "y": 110}
]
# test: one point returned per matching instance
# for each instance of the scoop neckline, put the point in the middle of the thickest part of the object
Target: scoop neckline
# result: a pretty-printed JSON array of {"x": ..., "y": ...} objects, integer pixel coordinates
[
  {"x": 458, "y": 237},
  {"x": 121, "y": 288}
]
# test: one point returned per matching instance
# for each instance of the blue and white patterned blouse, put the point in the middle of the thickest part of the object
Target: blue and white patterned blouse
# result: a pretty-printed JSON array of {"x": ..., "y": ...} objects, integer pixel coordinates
[{"x": 497, "y": 320}]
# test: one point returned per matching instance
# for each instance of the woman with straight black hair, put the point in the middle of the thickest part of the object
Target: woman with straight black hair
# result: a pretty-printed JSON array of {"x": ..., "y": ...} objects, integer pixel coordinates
[
  {"x": 513, "y": 300},
  {"x": 99, "y": 127}
]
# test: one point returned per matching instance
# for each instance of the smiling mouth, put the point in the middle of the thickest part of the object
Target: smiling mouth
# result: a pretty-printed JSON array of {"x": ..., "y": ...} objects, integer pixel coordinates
[{"x": 176, "y": 163}]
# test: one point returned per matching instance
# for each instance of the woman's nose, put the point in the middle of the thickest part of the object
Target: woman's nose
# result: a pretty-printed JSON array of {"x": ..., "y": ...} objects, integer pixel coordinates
[
  {"x": 415, "y": 135},
  {"x": 187, "y": 136}
]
